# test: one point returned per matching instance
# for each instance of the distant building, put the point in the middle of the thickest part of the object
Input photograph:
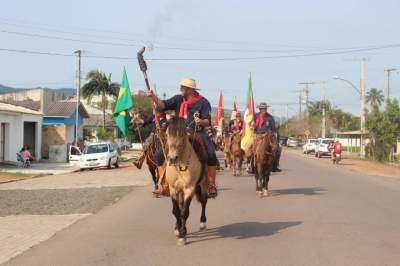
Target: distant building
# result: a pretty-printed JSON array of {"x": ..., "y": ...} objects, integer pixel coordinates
[
  {"x": 59, "y": 120},
  {"x": 19, "y": 126},
  {"x": 35, "y": 99},
  {"x": 139, "y": 92},
  {"x": 95, "y": 121}
]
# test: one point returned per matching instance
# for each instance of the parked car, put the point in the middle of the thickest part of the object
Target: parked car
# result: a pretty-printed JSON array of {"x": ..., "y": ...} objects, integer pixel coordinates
[
  {"x": 310, "y": 145},
  {"x": 96, "y": 155},
  {"x": 322, "y": 147},
  {"x": 293, "y": 142},
  {"x": 283, "y": 140}
]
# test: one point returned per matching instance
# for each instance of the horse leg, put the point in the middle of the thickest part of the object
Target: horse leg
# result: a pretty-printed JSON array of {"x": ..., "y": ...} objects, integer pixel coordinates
[
  {"x": 177, "y": 214},
  {"x": 265, "y": 183},
  {"x": 234, "y": 165},
  {"x": 154, "y": 176},
  {"x": 184, "y": 215},
  {"x": 201, "y": 194}
]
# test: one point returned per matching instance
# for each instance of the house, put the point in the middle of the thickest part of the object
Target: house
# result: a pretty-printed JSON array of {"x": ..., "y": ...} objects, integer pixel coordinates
[
  {"x": 95, "y": 121},
  {"x": 35, "y": 99},
  {"x": 19, "y": 126},
  {"x": 59, "y": 120}
]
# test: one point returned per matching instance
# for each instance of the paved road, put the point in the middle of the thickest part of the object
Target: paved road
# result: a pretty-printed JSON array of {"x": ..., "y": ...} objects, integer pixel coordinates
[{"x": 318, "y": 214}]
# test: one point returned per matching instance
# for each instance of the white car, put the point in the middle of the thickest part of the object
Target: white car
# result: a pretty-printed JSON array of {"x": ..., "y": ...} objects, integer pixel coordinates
[
  {"x": 322, "y": 147},
  {"x": 96, "y": 155},
  {"x": 310, "y": 145},
  {"x": 293, "y": 142}
]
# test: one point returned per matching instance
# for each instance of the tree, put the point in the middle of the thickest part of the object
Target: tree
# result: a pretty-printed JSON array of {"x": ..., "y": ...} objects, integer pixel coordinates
[
  {"x": 374, "y": 97},
  {"x": 384, "y": 129},
  {"x": 98, "y": 84}
]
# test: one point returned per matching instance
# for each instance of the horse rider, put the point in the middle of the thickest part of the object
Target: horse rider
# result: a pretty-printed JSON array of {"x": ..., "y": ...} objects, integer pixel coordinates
[
  {"x": 235, "y": 125},
  {"x": 149, "y": 121},
  {"x": 265, "y": 122},
  {"x": 163, "y": 188},
  {"x": 197, "y": 111}
]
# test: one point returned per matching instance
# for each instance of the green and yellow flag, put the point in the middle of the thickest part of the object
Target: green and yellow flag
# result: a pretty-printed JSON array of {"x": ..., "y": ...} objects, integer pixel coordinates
[
  {"x": 247, "y": 131},
  {"x": 124, "y": 103}
]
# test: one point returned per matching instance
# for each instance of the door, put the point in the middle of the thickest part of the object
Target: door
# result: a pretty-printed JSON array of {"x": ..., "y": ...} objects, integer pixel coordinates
[
  {"x": 2, "y": 141},
  {"x": 74, "y": 155},
  {"x": 30, "y": 136}
]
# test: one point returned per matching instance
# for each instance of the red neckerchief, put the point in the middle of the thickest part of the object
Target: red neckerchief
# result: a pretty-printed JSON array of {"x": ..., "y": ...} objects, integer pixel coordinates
[
  {"x": 260, "y": 120},
  {"x": 237, "y": 125},
  {"x": 186, "y": 103}
]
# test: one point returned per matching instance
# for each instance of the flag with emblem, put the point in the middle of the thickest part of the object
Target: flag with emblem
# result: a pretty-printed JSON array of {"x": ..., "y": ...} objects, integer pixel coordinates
[
  {"x": 234, "y": 109},
  {"x": 219, "y": 116},
  {"x": 247, "y": 131},
  {"x": 123, "y": 104}
]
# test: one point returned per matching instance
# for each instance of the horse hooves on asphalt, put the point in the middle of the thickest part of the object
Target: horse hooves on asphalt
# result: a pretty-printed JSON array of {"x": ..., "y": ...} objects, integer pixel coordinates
[
  {"x": 265, "y": 193},
  {"x": 259, "y": 194},
  {"x": 203, "y": 226},
  {"x": 181, "y": 242},
  {"x": 176, "y": 232}
]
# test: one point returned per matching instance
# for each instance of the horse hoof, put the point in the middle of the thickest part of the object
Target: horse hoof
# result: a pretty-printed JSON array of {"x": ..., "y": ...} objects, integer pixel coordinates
[
  {"x": 176, "y": 232},
  {"x": 181, "y": 242},
  {"x": 265, "y": 193},
  {"x": 203, "y": 226},
  {"x": 259, "y": 194}
]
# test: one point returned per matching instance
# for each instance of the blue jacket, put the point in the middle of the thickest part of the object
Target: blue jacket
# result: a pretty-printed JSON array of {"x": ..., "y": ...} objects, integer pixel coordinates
[{"x": 269, "y": 124}]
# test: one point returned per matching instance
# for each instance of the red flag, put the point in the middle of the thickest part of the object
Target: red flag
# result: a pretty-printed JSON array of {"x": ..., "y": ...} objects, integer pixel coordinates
[
  {"x": 234, "y": 109},
  {"x": 219, "y": 114}
]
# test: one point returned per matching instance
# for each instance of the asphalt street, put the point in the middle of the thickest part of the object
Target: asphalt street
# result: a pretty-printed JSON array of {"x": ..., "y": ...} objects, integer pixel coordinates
[{"x": 316, "y": 214}]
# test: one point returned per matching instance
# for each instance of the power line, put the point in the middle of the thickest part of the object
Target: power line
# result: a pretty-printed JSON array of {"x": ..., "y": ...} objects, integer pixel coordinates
[{"x": 389, "y": 46}]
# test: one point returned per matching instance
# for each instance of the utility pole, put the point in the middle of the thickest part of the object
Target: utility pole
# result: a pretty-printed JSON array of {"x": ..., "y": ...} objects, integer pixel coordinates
[
  {"x": 78, "y": 96},
  {"x": 388, "y": 72},
  {"x": 323, "y": 130},
  {"x": 306, "y": 93},
  {"x": 362, "y": 115}
]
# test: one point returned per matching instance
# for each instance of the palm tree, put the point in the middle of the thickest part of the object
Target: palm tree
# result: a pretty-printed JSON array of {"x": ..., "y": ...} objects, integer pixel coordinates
[
  {"x": 98, "y": 84},
  {"x": 374, "y": 97}
]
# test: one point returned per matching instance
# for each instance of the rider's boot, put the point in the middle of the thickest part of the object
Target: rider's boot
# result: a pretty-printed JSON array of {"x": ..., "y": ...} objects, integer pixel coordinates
[
  {"x": 211, "y": 181},
  {"x": 163, "y": 188}
]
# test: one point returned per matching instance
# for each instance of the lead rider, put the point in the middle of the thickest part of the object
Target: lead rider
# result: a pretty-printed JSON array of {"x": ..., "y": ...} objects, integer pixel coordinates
[{"x": 186, "y": 105}]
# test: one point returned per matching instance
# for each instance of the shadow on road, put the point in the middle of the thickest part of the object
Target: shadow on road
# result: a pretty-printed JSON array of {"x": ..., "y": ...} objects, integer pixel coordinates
[
  {"x": 307, "y": 191},
  {"x": 243, "y": 230}
]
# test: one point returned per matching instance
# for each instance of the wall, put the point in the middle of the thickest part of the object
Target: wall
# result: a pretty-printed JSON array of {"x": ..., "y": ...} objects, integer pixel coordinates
[
  {"x": 15, "y": 133},
  {"x": 52, "y": 135}
]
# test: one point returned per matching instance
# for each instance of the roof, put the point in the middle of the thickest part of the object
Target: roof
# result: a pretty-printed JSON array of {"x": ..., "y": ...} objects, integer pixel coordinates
[
  {"x": 6, "y": 107},
  {"x": 64, "y": 109}
]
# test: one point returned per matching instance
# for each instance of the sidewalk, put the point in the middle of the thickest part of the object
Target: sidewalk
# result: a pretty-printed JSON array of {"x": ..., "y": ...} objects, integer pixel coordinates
[{"x": 41, "y": 167}]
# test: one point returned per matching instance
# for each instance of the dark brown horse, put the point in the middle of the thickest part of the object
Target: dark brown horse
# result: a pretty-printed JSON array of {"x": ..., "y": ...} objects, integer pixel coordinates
[
  {"x": 236, "y": 154},
  {"x": 264, "y": 149}
]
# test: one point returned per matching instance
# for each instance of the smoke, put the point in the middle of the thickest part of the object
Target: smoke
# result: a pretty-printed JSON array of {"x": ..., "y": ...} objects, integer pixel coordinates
[{"x": 162, "y": 19}]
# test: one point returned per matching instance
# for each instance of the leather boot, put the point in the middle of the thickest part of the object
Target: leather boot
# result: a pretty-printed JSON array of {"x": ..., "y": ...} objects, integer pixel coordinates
[
  {"x": 211, "y": 179},
  {"x": 163, "y": 188}
]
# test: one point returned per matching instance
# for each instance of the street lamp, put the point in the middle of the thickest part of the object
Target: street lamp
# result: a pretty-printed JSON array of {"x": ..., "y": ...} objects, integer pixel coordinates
[
  {"x": 361, "y": 92},
  {"x": 348, "y": 82}
]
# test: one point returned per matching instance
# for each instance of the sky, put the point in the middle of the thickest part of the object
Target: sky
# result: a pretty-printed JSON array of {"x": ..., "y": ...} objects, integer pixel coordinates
[{"x": 281, "y": 43}]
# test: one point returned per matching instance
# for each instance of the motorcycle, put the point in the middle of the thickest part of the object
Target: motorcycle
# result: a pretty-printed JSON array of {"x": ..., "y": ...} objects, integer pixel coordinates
[{"x": 336, "y": 158}]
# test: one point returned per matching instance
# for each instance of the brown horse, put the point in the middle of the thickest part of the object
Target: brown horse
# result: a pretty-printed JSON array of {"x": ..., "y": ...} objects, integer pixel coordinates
[
  {"x": 249, "y": 156},
  {"x": 264, "y": 149},
  {"x": 236, "y": 153},
  {"x": 185, "y": 173},
  {"x": 227, "y": 151}
]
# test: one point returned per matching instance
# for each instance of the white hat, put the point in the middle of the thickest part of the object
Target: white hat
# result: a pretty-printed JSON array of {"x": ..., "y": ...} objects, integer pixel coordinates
[{"x": 188, "y": 82}]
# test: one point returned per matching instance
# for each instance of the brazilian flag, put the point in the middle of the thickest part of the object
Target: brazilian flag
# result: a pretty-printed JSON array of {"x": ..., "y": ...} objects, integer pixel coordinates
[{"x": 124, "y": 103}]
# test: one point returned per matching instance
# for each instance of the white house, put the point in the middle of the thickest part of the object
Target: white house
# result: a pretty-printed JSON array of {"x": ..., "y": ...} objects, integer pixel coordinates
[{"x": 19, "y": 126}]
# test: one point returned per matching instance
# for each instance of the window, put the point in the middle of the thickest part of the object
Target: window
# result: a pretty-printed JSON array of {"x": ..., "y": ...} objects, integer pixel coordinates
[
  {"x": 98, "y": 148},
  {"x": 111, "y": 147}
]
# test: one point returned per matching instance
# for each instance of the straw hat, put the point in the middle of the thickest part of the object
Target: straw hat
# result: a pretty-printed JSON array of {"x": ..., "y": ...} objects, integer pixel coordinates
[
  {"x": 188, "y": 82},
  {"x": 262, "y": 105}
]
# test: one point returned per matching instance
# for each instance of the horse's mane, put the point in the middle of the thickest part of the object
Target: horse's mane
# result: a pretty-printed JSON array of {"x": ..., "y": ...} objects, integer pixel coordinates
[{"x": 177, "y": 127}]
